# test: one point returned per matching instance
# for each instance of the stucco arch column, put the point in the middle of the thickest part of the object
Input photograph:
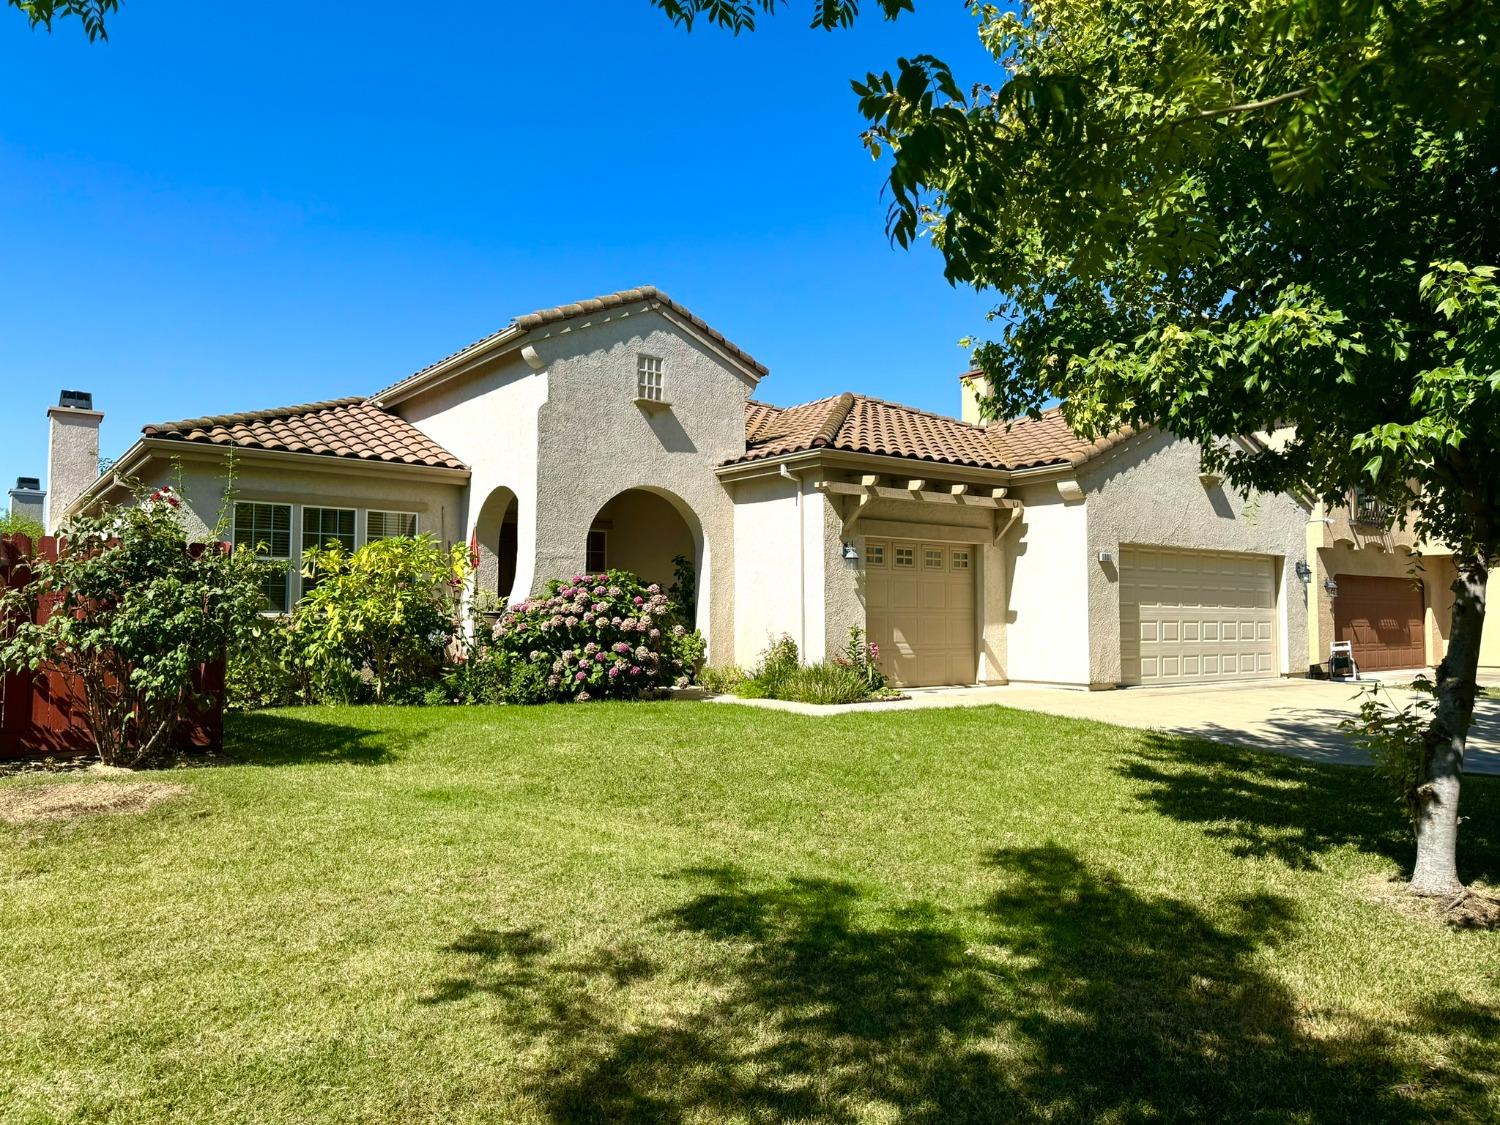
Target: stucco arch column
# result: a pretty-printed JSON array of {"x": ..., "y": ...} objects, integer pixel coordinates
[{"x": 645, "y": 525}]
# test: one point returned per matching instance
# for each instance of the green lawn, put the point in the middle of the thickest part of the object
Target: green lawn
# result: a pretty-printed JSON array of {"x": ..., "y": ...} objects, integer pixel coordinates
[{"x": 664, "y": 912}]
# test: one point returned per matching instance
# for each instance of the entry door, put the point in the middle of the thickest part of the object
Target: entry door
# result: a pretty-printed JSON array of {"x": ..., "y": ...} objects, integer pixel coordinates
[
  {"x": 920, "y": 608},
  {"x": 1188, "y": 616},
  {"x": 1383, "y": 618}
]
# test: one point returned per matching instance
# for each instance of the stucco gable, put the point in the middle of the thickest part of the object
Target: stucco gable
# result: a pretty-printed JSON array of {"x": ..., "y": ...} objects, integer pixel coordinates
[{"x": 514, "y": 333}]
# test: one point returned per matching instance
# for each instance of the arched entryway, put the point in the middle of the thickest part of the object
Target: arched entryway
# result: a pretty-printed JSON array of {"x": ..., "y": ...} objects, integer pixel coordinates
[
  {"x": 644, "y": 531},
  {"x": 497, "y": 540}
]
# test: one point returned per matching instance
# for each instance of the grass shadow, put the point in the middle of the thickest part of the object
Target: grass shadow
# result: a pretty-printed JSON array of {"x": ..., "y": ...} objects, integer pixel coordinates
[
  {"x": 262, "y": 739},
  {"x": 1270, "y": 805},
  {"x": 1065, "y": 995}
]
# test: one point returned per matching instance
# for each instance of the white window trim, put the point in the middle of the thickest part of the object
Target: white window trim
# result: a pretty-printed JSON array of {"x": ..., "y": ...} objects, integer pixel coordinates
[
  {"x": 651, "y": 382},
  {"x": 303, "y": 510},
  {"x": 293, "y": 571}
]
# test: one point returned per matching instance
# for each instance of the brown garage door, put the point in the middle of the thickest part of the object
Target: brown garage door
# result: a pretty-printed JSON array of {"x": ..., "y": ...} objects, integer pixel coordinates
[{"x": 1383, "y": 618}]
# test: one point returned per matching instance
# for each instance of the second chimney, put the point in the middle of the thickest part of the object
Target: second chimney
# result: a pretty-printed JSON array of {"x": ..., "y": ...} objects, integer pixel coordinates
[{"x": 72, "y": 452}]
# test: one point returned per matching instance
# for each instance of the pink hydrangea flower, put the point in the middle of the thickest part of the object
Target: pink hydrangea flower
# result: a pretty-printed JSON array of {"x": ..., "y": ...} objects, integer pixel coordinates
[
  {"x": 580, "y": 677},
  {"x": 635, "y": 669}
]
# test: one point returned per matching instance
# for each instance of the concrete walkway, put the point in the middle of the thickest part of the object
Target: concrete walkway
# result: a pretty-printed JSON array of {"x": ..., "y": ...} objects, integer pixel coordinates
[{"x": 1297, "y": 717}]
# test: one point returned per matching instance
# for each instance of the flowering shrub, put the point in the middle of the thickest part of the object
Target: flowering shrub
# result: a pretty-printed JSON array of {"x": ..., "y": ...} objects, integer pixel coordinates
[
  {"x": 864, "y": 658},
  {"x": 136, "y": 610},
  {"x": 598, "y": 636}
]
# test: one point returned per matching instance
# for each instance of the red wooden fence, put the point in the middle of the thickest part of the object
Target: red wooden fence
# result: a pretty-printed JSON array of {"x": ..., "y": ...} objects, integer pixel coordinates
[{"x": 42, "y": 713}]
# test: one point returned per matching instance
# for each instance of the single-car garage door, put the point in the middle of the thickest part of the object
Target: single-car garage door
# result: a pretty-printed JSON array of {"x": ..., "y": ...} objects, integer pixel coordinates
[
  {"x": 1383, "y": 618},
  {"x": 1196, "y": 615},
  {"x": 920, "y": 610}
]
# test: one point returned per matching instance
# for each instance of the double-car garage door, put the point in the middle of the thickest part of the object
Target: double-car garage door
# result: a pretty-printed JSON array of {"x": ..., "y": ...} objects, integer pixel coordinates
[
  {"x": 920, "y": 609},
  {"x": 1188, "y": 616}
]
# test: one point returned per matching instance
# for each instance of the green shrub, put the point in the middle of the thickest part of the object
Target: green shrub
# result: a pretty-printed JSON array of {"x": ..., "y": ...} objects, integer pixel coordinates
[
  {"x": 779, "y": 674},
  {"x": 828, "y": 682},
  {"x": 386, "y": 613},
  {"x": 17, "y": 524},
  {"x": 596, "y": 636},
  {"x": 137, "y": 610},
  {"x": 263, "y": 672},
  {"x": 722, "y": 680}
]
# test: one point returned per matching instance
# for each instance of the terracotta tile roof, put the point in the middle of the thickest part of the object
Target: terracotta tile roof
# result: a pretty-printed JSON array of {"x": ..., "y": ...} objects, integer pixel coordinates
[
  {"x": 344, "y": 427},
  {"x": 581, "y": 308},
  {"x": 859, "y": 424}
]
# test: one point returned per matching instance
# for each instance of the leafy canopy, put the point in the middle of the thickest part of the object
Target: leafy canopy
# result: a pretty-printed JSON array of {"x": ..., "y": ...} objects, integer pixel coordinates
[
  {"x": 740, "y": 15},
  {"x": 1226, "y": 218},
  {"x": 91, "y": 13}
]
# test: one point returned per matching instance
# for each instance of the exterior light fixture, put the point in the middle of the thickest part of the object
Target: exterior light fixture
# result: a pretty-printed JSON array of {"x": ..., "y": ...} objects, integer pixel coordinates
[
  {"x": 850, "y": 554},
  {"x": 1304, "y": 571},
  {"x": 1106, "y": 558},
  {"x": 1332, "y": 587}
]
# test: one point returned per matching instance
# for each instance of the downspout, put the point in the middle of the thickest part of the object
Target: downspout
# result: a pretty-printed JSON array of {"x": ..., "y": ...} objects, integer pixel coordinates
[{"x": 801, "y": 560}]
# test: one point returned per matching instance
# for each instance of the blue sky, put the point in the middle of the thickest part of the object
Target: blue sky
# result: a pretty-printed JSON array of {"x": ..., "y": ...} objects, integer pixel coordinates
[{"x": 236, "y": 207}]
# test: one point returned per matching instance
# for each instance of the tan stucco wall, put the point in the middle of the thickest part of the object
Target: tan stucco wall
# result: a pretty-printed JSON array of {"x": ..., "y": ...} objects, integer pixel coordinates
[
  {"x": 1148, "y": 492},
  {"x": 565, "y": 435},
  {"x": 199, "y": 478},
  {"x": 594, "y": 442}
]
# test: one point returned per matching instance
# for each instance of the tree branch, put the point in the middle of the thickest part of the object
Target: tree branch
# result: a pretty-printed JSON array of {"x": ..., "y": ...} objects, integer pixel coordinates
[{"x": 1251, "y": 107}]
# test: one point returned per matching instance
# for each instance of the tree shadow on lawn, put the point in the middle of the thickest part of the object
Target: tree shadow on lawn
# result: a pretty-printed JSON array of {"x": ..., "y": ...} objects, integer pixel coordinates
[
  {"x": 1084, "y": 1000},
  {"x": 1268, "y": 804},
  {"x": 260, "y": 739}
]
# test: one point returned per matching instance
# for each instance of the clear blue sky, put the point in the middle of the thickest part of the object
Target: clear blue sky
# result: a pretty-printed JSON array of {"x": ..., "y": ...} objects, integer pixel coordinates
[{"x": 231, "y": 207}]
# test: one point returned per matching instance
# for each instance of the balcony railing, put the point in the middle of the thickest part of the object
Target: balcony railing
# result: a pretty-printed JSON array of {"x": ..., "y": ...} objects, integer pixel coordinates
[{"x": 1368, "y": 510}]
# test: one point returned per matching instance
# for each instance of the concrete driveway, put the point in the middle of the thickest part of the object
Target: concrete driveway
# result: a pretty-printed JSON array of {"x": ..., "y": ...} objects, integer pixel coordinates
[{"x": 1298, "y": 717}]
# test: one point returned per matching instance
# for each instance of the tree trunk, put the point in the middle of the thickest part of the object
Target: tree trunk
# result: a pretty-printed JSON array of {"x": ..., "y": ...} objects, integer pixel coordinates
[{"x": 1436, "y": 871}]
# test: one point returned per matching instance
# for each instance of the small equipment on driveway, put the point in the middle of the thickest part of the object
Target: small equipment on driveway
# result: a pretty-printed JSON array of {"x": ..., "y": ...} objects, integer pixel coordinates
[{"x": 1341, "y": 663}]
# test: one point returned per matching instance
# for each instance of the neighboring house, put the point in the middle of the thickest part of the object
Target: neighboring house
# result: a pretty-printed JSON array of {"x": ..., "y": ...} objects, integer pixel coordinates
[{"x": 621, "y": 432}]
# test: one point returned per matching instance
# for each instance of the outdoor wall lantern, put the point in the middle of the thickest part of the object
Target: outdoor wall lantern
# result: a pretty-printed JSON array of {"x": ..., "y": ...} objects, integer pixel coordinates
[
  {"x": 1304, "y": 571},
  {"x": 850, "y": 554},
  {"x": 1332, "y": 587}
]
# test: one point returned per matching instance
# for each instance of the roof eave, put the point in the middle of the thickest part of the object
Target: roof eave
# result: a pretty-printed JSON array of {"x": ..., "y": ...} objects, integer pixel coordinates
[{"x": 459, "y": 363}]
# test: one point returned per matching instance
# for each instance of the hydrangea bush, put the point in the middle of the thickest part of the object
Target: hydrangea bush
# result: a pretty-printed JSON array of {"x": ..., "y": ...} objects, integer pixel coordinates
[{"x": 600, "y": 636}]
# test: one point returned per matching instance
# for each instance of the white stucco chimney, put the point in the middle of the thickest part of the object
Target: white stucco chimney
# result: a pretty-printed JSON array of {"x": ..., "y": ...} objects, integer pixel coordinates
[
  {"x": 27, "y": 499},
  {"x": 72, "y": 452}
]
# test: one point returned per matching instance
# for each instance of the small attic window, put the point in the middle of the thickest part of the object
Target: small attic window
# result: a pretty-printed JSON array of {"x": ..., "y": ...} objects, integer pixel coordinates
[{"x": 648, "y": 380}]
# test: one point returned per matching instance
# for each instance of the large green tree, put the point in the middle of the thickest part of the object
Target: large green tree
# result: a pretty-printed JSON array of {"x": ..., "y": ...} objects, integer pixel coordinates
[{"x": 1229, "y": 216}]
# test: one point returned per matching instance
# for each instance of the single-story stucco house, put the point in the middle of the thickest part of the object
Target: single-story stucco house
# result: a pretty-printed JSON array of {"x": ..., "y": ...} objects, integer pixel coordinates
[{"x": 624, "y": 431}]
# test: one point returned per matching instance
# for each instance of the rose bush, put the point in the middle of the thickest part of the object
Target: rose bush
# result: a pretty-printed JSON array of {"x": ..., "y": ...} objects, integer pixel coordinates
[{"x": 599, "y": 636}]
